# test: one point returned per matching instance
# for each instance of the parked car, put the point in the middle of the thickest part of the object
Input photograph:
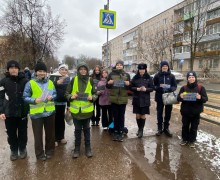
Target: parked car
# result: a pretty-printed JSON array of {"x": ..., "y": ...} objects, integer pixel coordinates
[{"x": 179, "y": 76}]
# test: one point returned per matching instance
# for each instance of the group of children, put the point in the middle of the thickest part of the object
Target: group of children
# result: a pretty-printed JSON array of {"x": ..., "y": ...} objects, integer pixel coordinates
[{"x": 103, "y": 93}]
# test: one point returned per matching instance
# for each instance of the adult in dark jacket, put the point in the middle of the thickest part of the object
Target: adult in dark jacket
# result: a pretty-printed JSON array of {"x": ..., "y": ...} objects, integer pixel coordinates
[
  {"x": 118, "y": 82},
  {"x": 164, "y": 82},
  {"x": 61, "y": 82},
  {"x": 141, "y": 85},
  {"x": 192, "y": 96},
  {"x": 96, "y": 77},
  {"x": 14, "y": 110}
]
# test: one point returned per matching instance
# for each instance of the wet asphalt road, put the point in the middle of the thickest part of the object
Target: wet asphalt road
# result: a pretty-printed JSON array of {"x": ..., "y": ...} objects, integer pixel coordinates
[{"x": 148, "y": 158}]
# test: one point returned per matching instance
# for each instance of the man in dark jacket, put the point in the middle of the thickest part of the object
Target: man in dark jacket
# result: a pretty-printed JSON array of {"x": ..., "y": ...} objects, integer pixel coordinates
[
  {"x": 164, "y": 82},
  {"x": 13, "y": 109}
]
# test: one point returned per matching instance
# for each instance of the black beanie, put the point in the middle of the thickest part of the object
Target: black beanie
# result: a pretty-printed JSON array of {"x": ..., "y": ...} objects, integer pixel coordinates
[
  {"x": 163, "y": 63},
  {"x": 12, "y": 63},
  {"x": 40, "y": 66},
  {"x": 120, "y": 62},
  {"x": 142, "y": 66},
  {"x": 191, "y": 73}
]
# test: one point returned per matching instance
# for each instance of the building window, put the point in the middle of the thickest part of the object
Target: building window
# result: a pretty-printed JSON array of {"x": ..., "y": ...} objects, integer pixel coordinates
[
  {"x": 213, "y": 29},
  {"x": 213, "y": 14},
  {"x": 214, "y": 63}
]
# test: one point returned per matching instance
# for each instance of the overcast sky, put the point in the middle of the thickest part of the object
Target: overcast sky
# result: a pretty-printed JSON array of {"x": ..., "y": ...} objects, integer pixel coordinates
[{"x": 83, "y": 35}]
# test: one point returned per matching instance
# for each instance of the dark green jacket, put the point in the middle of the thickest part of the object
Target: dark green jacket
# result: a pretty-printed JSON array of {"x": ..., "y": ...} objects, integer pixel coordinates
[{"x": 118, "y": 95}]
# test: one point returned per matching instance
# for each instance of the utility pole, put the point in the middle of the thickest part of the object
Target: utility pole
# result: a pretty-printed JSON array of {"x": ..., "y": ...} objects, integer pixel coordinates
[{"x": 107, "y": 49}]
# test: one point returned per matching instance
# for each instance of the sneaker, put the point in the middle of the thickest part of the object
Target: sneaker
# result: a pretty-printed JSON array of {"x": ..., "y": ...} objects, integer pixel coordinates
[
  {"x": 63, "y": 141},
  {"x": 42, "y": 157},
  {"x": 167, "y": 132},
  {"x": 23, "y": 154},
  {"x": 76, "y": 152},
  {"x": 159, "y": 132},
  {"x": 56, "y": 144},
  {"x": 183, "y": 143},
  {"x": 14, "y": 155},
  {"x": 192, "y": 144}
]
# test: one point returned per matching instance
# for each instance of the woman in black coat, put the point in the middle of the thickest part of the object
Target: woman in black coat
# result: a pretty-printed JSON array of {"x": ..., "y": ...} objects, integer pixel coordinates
[{"x": 141, "y": 85}]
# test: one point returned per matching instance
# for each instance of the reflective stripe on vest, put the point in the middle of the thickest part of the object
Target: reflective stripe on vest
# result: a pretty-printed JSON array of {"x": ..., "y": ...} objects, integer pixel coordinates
[
  {"x": 37, "y": 93},
  {"x": 76, "y": 105}
]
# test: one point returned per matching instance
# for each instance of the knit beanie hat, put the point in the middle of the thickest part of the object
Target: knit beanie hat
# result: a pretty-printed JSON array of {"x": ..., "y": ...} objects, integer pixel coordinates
[
  {"x": 142, "y": 66},
  {"x": 191, "y": 73},
  {"x": 12, "y": 63},
  {"x": 163, "y": 63},
  {"x": 120, "y": 62},
  {"x": 63, "y": 66},
  {"x": 40, "y": 66}
]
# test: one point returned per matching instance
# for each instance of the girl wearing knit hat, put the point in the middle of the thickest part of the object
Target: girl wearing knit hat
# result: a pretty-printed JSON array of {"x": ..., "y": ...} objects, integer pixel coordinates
[
  {"x": 118, "y": 82},
  {"x": 193, "y": 96}
]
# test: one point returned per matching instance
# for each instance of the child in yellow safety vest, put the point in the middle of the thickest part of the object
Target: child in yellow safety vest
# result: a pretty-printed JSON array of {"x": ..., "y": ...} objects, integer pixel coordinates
[
  {"x": 81, "y": 94},
  {"x": 40, "y": 93}
]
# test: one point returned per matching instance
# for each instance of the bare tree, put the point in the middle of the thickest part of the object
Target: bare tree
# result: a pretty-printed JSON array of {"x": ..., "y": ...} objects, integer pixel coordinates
[
  {"x": 156, "y": 45},
  {"x": 191, "y": 28},
  {"x": 70, "y": 61},
  {"x": 32, "y": 21}
]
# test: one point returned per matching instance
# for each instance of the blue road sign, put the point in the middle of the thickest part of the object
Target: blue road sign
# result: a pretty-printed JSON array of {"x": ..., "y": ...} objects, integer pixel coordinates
[{"x": 107, "y": 19}]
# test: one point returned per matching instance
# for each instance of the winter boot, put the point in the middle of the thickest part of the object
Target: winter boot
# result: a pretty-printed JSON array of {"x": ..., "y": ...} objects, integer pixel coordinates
[
  {"x": 141, "y": 130},
  {"x": 88, "y": 150},
  {"x": 76, "y": 151}
]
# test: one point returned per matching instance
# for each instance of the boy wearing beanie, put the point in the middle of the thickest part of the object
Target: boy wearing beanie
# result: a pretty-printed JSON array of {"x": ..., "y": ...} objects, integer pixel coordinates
[
  {"x": 81, "y": 95},
  {"x": 13, "y": 109},
  {"x": 192, "y": 96},
  {"x": 164, "y": 82},
  {"x": 40, "y": 94}
]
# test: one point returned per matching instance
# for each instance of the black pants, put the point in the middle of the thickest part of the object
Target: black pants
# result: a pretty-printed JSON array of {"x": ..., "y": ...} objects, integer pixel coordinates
[
  {"x": 17, "y": 133},
  {"x": 80, "y": 125},
  {"x": 190, "y": 125},
  {"x": 97, "y": 112},
  {"x": 118, "y": 111},
  {"x": 163, "y": 123},
  {"x": 59, "y": 122},
  {"x": 48, "y": 123},
  {"x": 106, "y": 115}
]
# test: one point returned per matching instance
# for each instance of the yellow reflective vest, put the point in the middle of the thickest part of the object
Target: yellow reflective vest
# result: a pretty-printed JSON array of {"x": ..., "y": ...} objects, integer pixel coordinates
[
  {"x": 37, "y": 93},
  {"x": 77, "y": 105}
]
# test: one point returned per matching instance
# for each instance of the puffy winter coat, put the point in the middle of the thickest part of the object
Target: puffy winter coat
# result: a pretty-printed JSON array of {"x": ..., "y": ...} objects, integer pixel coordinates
[
  {"x": 118, "y": 95},
  {"x": 11, "y": 92}
]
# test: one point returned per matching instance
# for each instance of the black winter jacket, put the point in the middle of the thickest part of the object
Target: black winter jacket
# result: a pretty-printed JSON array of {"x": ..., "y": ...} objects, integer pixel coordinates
[
  {"x": 192, "y": 107},
  {"x": 11, "y": 93},
  {"x": 140, "y": 98},
  {"x": 163, "y": 78}
]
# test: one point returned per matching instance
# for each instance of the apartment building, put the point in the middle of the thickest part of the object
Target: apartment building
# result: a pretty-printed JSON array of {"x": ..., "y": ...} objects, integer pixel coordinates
[{"x": 157, "y": 39}]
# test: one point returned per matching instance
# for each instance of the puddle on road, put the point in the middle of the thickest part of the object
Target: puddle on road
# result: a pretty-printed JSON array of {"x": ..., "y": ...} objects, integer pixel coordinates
[{"x": 166, "y": 158}]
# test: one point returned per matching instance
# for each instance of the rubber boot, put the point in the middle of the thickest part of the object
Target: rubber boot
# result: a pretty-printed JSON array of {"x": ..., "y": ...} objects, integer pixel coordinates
[
  {"x": 139, "y": 126},
  {"x": 141, "y": 131},
  {"x": 76, "y": 151},
  {"x": 88, "y": 150}
]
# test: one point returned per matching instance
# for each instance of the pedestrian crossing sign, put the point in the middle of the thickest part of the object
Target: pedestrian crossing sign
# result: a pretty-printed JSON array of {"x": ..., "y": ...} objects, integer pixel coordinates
[{"x": 107, "y": 19}]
